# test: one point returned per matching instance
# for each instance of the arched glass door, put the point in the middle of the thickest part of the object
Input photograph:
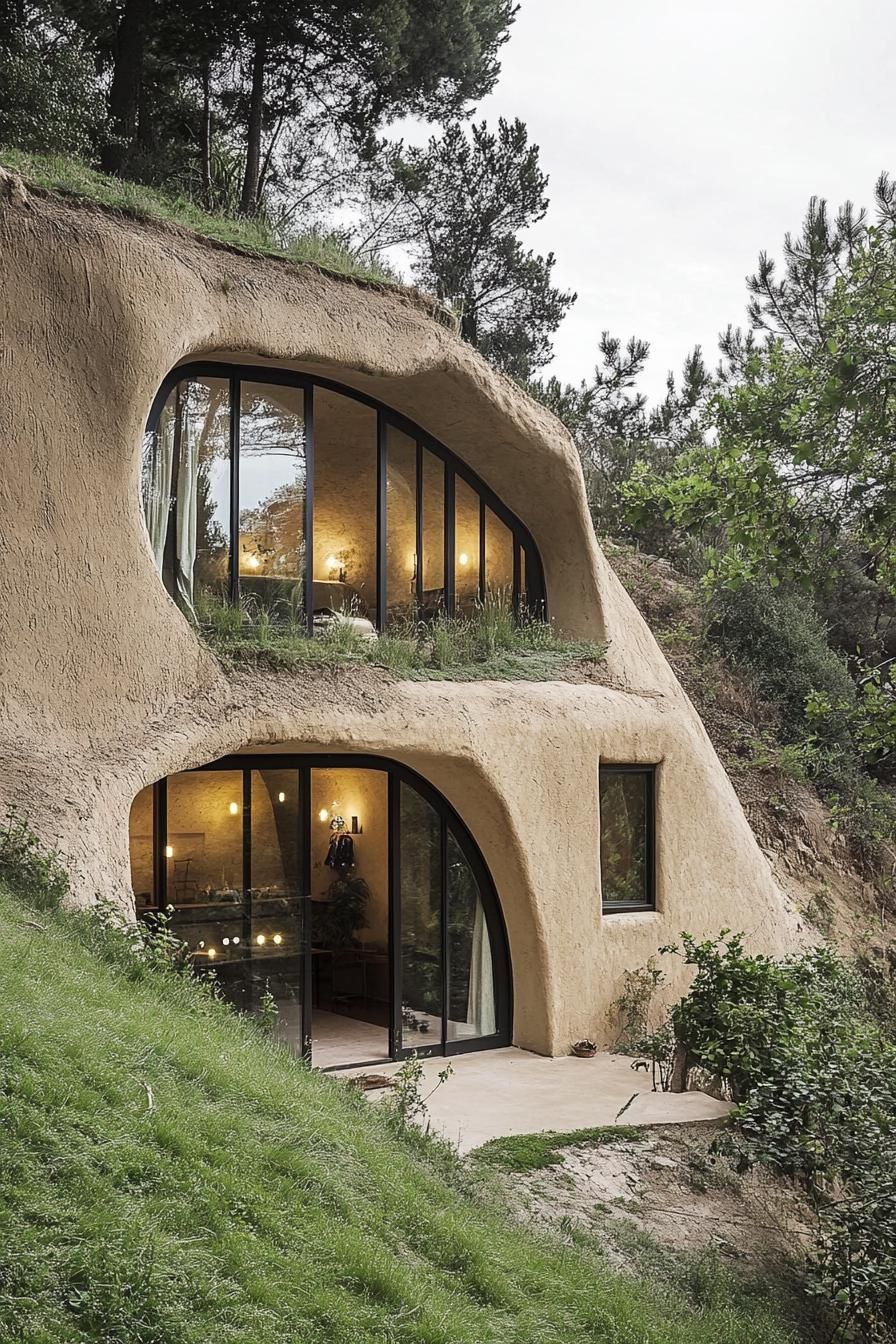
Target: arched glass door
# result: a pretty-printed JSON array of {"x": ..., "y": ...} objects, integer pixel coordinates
[{"x": 341, "y": 896}]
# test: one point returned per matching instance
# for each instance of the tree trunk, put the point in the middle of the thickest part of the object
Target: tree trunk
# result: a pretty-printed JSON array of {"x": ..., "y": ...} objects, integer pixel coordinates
[
  {"x": 206, "y": 137},
  {"x": 127, "y": 78},
  {"x": 249, "y": 195}
]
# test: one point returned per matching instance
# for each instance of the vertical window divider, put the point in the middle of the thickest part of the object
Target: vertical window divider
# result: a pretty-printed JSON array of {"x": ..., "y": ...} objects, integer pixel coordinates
[
  {"x": 517, "y": 576},
  {"x": 382, "y": 468},
  {"x": 234, "y": 490},
  {"x": 308, "y": 519},
  {"x": 481, "y": 549},
  {"x": 394, "y": 888},
  {"x": 247, "y": 859},
  {"x": 303, "y": 822},
  {"x": 449, "y": 540},
  {"x": 160, "y": 841},
  {"x": 443, "y": 901},
  {"x": 418, "y": 532}
]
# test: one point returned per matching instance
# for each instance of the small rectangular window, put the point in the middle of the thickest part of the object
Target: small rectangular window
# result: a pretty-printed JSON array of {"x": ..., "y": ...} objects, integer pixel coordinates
[{"x": 627, "y": 841}]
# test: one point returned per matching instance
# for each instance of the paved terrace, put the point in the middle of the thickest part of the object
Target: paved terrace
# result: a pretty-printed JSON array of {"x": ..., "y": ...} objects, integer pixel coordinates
[{"x": 497, "y": 1092}]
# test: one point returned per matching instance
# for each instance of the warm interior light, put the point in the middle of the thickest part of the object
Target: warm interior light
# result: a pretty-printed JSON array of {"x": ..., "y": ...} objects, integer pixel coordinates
[
  {"x": 260, "y": 940},
  {"x": 169, "y": 851},
  {"x": 331, "y": 562},
  {"x": 234, "y": 808},
  {"x": 226, "y": 942},
  {"x": 235, "y": 941},
  {"x": 252, "y": 561},
  {"x": 212, "y": 953},
  {"x": 278, "y": 938},
  {"x": 281, "y": 797},
  {"x": 463, "y": 558},
  {"x": 323, "y": 814},
  {"x": 201, "y": 944}
]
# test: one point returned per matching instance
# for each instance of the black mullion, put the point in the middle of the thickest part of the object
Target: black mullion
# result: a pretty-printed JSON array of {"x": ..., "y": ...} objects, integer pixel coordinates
[
  {"x": 160, "y": 834},
  {"x": 308, "y": 566},
  {"x": 394, "y": 880},
  {"x": 481, "y": 549},
  {"x": 382, "y": 467},
  {"x": 449, "y": 540},
  {"x": 517, "y": 576},
  {"x": 247, "y": 879},
  {"x": 304, "y": 825},
  {"x": 234, "y": 490},
  {"x": 443, "y": 904},
  {"x": 418, "y": 532}
]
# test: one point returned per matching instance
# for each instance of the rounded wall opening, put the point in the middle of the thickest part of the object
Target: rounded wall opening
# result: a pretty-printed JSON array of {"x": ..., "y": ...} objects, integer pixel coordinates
[{"x": 340, "y": 895}]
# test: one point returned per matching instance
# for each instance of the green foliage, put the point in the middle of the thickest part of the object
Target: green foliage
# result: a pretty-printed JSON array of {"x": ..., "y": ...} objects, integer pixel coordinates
[
  {"x": 816, "y": 1080},
  {"x": 74, "y": 178},
  {"x": 50, "y": 101},
  {"x": 28, "y": 866},
  {"x": 532, "y": 1152},
  {"x": 345, "y": 912},
  {"x": 634, "y": 1004},
  {"x": 168, "y": 1175},
  {"x": 459, "y": 204},
  {"x": 489, "y": 644},
  {"x": 800, "y": 468}
]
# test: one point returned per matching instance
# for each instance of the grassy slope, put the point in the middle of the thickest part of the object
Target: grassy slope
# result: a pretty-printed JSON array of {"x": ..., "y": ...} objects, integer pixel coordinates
[
  {"x": 167, "y": 1175},
  {"x": 71, "y": 177}
]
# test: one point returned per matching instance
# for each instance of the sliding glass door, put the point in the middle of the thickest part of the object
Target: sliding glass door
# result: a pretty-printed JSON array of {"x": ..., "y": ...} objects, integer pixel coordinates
[{"x": 340, "y": 898}]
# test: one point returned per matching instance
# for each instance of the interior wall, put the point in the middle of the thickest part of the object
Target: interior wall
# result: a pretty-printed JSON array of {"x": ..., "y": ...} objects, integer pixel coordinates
[
  {"x": 345, "y": 459},
  {"x": 363, "y": 794}
]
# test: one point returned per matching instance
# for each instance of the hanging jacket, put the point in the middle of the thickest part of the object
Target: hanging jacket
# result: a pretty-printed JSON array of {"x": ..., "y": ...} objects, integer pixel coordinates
[{"x": 341, "y": 854}]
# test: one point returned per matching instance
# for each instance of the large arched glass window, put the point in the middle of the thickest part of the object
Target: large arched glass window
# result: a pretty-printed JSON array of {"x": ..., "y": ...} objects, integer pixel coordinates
[
  {"x": 297, "y": 497},
  {"x": 342, "y": 891}
]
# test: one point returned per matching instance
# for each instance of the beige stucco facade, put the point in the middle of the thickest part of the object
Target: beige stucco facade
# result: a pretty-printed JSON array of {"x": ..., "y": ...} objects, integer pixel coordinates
[{"x": 105, "y": 687}]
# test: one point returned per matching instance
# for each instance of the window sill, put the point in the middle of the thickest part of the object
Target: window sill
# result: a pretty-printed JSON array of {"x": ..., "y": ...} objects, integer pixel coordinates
[{"x": 615, "y": 910}]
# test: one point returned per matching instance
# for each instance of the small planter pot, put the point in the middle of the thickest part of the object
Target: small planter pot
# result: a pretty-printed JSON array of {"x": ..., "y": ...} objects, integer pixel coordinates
[{"x": 584, "y": 1049}]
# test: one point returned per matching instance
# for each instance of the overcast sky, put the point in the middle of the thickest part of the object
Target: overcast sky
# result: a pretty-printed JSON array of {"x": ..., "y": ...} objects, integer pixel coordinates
[{"x": 681, "y": 137}]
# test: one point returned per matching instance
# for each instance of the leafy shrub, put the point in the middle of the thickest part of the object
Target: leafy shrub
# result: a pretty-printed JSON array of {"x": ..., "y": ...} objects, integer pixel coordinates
[
  {"x": 50, "y": 101},
  {"x": 780, "y": 639},
  {"x": 26, "y": 867},
  {"x": 816, "y": 1080}
]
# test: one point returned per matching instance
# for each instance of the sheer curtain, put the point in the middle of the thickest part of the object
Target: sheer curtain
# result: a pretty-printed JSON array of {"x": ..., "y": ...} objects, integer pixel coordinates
[
  {"x": 481, "y": 997},
  {"x": 158, "y": 464}
]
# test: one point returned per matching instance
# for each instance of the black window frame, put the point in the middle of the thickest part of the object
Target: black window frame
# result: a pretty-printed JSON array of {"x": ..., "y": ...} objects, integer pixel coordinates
[
  {"x": 523, "y": 543},
  {"x": 397, "y": 774},
  {"x": 649, "y": 772}
]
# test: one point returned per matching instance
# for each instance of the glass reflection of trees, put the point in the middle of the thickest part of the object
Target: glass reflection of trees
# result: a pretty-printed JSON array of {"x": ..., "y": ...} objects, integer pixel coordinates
[
  {"x": 289, "y": 496},
  {"x": 626, "y": 837}
]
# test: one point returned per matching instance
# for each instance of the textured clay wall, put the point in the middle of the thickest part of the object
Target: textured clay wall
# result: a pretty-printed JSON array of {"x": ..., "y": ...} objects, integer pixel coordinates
[{"x": 104, "y": 687}]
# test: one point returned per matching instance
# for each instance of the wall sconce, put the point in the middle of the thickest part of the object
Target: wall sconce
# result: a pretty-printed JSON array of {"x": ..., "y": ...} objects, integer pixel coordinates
[
  {"x": 252, "y": 561},
  {"x": 261, "y": 940},
  {"x": 278, "y": 938},
  {"x": 234, "y": 808},
  {"x": 169, "y": 851},
  {"x": 323, "y": 815},
  {"x": 335, "y": 570},
  {"x": 463, "y": 559},
  {"x": 281, "y": 797}
]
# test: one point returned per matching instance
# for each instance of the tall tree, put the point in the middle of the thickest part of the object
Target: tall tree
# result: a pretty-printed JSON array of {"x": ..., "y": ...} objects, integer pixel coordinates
[
  {"x": 459, "y": 205},
  {"x": 800, "y": 470}
]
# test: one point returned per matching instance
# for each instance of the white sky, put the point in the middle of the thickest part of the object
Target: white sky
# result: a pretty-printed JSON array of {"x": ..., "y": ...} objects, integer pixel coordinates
[{"x": 681, "y": 138}]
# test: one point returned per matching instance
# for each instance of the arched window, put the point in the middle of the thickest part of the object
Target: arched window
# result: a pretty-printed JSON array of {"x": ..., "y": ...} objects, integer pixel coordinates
[
  {"x": 294, "y": 496},
  {"x": 343, "y": 892}
]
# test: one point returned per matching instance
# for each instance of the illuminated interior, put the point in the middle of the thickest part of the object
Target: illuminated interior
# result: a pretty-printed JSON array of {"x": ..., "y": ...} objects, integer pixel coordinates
[
  {"x": 260, "y": 487},
  {"x": 346, "y": 900}
]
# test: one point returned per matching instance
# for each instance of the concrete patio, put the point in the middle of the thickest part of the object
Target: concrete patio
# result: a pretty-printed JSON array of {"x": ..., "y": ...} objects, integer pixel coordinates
[{"x": 497, "y": 1092}]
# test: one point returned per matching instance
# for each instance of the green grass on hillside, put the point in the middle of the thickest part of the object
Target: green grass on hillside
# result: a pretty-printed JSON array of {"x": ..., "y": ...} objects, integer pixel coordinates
[
  {"x": 169, "y": 1176},
  {"x": 532, "y": 1152},
  {"x": 72, "y": 177}
]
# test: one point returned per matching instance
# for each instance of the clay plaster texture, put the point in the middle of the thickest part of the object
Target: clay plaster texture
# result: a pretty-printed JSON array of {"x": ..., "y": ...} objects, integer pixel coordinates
[{"x": 105, "y": 687}]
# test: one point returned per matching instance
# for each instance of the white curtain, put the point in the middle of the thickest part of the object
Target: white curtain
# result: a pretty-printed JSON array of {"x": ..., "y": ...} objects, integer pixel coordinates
[
  {"x": 157, "y": 494},
  {"x": 481, "y": 996},
  {"x": 187, "y": 491}
]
